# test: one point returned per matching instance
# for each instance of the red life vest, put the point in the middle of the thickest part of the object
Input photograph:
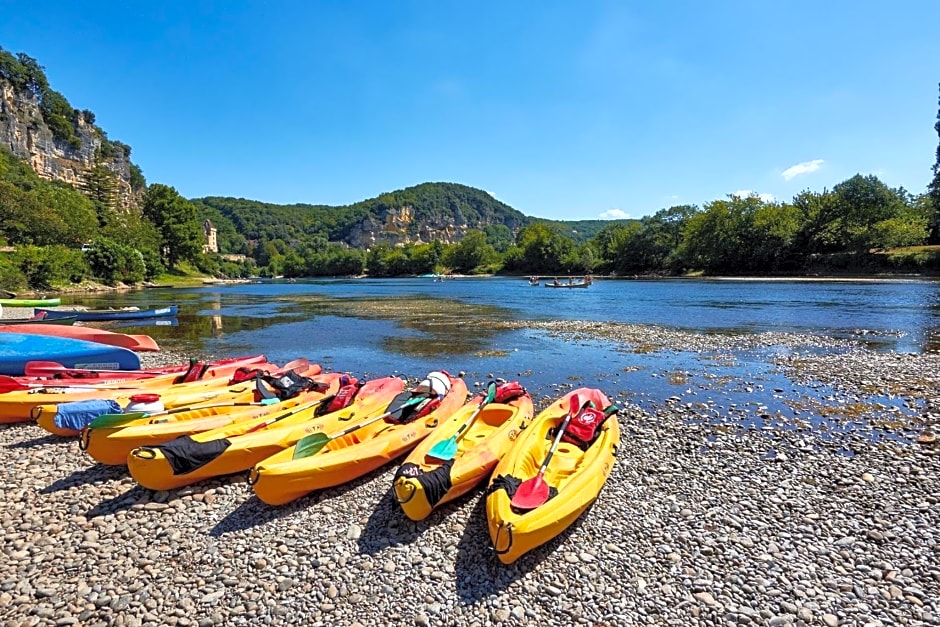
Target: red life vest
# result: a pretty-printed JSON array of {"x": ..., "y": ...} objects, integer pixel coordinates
[
  {"x": 508, "y": 391},
  {"x": 349, "y": 386},
  {"x": 582, "y": 429}
]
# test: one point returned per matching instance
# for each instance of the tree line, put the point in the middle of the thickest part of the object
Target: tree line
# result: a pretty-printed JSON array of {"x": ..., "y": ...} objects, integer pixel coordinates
[{"x": 62, "y": 235}]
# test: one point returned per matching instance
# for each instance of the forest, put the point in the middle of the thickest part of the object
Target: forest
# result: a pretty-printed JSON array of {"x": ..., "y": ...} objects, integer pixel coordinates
[{"x": 55, "y": 235}]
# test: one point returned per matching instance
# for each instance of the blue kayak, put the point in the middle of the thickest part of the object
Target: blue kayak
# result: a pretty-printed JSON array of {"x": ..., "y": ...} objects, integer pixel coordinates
[
  {"x": 109, "y": 314},
  {"x": 18, "y": 348}
]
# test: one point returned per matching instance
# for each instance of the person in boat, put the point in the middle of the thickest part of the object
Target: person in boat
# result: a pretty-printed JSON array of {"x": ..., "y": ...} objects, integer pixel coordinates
[{"x": 556, "y": 281}]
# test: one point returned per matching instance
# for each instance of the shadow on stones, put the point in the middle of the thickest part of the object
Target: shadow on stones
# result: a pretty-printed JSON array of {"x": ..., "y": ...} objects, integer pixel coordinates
[
  {"x": 388, "y": 525},
  {"x": 92, "y": 474},
  {"x": 42, "y": 441},
  {"x": 119, "y": 503},
  {"x": 479, "y": 572},
  {"x": 254, "y": 512}
]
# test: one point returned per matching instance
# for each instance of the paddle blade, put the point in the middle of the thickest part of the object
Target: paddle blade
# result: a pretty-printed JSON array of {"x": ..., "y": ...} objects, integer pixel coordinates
[
  {"x": 310, "y": 445},
  {"x": 105, "y": 421},
  {"x": 9, "y": 384},
  {"x": 445, "y": 450},
  {"x": 490, "y": 394},
  {"x": 531, "y": 493}
]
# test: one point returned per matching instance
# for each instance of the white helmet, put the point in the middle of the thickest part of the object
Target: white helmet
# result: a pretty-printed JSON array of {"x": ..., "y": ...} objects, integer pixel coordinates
[{"x": 437, "y": 382}]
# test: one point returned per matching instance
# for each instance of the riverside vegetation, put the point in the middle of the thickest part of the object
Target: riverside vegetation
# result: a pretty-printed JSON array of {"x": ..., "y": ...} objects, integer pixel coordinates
[{"x": 134, "y": 232}]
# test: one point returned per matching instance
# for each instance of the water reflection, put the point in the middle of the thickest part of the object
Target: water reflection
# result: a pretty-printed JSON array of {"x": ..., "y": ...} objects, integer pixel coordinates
[{"x": 410, "y": 326}]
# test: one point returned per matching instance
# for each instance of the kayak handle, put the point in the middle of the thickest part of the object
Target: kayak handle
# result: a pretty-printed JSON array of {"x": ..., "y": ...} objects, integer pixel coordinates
[
  {"x": 499, "y": 531},
  {"x": 84, "y": 438},
  {"x": 411, "y": 494},
  {"x": 144, "y": 452},
  {"x": 254, "y": 475}
]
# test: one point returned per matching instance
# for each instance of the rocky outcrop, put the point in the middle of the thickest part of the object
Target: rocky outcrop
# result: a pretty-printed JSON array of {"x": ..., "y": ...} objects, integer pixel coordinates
[
  {"x": 23, "y": 131},
  {"x": 399, "y": 228}
]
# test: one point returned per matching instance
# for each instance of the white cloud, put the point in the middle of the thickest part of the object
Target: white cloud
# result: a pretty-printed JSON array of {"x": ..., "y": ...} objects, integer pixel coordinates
[
  {"x": 802, "y": 168},
  {"x": 746, "y": 193},
  {"x": 613, "y": 214}
]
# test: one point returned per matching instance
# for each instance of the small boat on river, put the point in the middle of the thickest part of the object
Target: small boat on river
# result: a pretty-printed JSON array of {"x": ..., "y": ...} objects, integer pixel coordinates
[
  {"x": 574, "y": 282},
  {"x": 110, "y": 314}
]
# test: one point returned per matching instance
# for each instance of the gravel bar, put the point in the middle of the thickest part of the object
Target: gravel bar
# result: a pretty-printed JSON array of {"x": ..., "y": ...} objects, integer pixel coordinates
[{"x": 699, "y": 524}]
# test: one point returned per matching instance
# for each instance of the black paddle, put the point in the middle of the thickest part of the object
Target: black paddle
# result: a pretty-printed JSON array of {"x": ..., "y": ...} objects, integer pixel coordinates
[{"x": 314, "y": 443}]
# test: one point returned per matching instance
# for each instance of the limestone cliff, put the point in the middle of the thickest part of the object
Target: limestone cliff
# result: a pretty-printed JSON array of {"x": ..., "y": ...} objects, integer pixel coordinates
[
  {"x": 24, "y": 132},
  {"x": 399, "y": 228}
]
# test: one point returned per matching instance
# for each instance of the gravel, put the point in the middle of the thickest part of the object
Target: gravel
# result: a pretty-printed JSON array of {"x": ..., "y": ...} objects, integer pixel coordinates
[{"x": 704, "y": 520}]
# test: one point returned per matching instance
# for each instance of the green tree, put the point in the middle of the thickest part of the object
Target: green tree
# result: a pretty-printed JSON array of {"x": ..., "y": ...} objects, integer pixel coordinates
[
  {"x": 933, "y": 191},
  {"x": 773, "y": 231},
  {"x": 543, "y": 249},
  {"x": 860, "y": 203},
  {"x": 176, "y": 219},
  {"x": 716, "y": 240},
  {"x": 471, "y": 252}
]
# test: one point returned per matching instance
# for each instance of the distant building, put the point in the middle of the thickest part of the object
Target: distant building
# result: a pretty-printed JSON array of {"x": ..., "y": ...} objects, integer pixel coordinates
[{"x": 212, "y": 242}]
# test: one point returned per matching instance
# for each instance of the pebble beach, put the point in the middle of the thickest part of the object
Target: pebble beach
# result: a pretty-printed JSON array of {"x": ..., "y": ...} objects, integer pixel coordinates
[{"x": 702, "y": 522}]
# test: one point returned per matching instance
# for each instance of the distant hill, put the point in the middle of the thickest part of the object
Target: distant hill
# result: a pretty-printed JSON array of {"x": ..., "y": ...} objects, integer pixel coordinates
[{"x": 428, "y": 212}]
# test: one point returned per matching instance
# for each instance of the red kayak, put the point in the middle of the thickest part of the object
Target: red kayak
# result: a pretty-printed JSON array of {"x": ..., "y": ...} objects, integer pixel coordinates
[
  {"x": 135, "y": 343},
  {"x": 50, "y": 371}
]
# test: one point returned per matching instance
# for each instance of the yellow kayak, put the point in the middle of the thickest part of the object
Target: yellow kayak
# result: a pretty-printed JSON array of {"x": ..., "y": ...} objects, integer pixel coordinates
[
  {"x": 111, "y": 444},
  {"x": 170, "y": 395},
  {"x": 239, "y": 446},
  {"x": 468, "y": 453},
  {"x": 281, "y": 478},
  {"x": 574, "y": 477}
]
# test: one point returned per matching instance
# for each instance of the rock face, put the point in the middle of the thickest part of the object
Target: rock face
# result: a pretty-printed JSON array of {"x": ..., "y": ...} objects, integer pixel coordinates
[
  {"x": 400, "y": 228},
  {"x": 23, "y": 131}
]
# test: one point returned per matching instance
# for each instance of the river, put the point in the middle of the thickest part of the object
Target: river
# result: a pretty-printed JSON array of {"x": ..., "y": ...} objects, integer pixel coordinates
[{"x": 377, "y": 327}]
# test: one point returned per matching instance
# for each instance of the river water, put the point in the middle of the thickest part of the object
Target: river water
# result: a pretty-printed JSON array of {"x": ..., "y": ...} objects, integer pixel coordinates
[{"x": 376, "y": 327}]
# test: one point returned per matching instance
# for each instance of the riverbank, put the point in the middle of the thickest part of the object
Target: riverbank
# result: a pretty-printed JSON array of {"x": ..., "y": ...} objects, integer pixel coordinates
[{"x": 699, "y": 523}]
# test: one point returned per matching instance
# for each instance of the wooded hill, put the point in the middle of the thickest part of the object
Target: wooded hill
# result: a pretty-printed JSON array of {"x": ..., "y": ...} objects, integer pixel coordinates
[{"x": 401, "y": 217}]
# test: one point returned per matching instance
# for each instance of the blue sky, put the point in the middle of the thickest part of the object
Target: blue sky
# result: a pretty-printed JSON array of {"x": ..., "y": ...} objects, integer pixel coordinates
[{"x": 564, "y": 110}]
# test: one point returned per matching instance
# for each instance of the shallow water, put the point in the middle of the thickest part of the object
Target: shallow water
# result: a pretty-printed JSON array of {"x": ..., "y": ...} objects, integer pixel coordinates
[{"x": 375, "y": 327}]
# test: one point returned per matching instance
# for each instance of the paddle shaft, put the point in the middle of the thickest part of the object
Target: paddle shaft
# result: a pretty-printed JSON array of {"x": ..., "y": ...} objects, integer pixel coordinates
[
  {"x": 490, "y": 395},
  {"x": 9, "y": 384},
  {"x": 319, "y": 440},
  {"x": 557, "y": 440},
  {"x": 295, "y": 410},
  {"x": 366, "y": 423},
  {"x": 41, "y": 368}
]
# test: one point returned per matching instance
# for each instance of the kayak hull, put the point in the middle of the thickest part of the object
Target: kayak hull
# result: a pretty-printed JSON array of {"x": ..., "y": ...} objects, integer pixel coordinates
[
  {"x": 112, "y": 445},
  {"x": 237, "y": 447},
  {"x": 577, "y": 475},
  {"x": 171, "y": 396},
  {"x": 18, "y": 348},
  {"x": 136, "y": 343},
  {"x": 21, "y": 406},
  {"x": 280, "y": 478},
  {"x": 420, "y": 480},
  {"x": 92, "y": 315},
  {"x": 30, "y": 302}
]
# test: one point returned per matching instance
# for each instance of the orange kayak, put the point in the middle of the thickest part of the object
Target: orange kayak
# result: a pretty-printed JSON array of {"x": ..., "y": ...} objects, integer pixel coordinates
[
  {"x": 282, "y": 477},
  {"x": 424, "y": 481},
  {"x": 113, "y": 443},
  {"x": 237, "y": 447}
]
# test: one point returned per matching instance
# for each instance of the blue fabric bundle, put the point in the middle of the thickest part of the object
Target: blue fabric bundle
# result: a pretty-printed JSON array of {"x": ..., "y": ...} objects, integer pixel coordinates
[{"x": 78, "y": 414}]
